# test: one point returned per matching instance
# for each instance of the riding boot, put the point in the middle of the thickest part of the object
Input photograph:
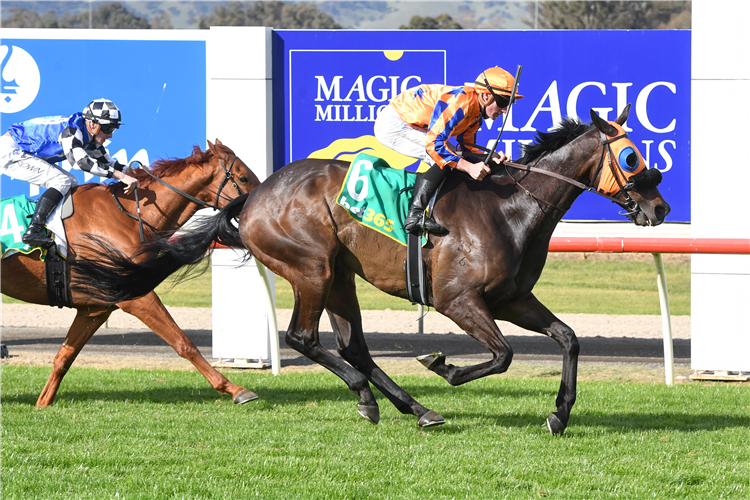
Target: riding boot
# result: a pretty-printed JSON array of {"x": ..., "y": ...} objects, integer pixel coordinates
[
  {"x": 46, "y": 203},
  {"x": 425, "y": 187}
]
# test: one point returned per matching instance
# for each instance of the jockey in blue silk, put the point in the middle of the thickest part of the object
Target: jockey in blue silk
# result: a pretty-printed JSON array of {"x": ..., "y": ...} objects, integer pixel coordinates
[
  {"x": 29, "y": 151},
  {"x": 419, "y": 121}
]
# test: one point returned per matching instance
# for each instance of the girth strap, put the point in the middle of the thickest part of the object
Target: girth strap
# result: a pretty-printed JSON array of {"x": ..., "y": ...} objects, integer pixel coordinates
[
  {"x": 57, "y": 279},
  {"x": 416, "y": 276}
]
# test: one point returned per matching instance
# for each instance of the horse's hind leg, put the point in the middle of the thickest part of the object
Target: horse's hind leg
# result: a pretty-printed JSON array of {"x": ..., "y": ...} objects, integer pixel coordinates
[
  {"x": 343, "y": 310},
  {"x": 310, "y": 290},
  {"x": 532, "y": 315},
  {"x": 150, "y": 310},
  {"x": 87, "y": 321}
]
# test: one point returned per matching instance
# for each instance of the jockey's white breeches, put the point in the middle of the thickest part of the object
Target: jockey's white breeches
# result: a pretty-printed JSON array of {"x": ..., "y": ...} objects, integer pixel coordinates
[
  {"x": 24, "y": 166},
  {"x": 392, "y": 131}
]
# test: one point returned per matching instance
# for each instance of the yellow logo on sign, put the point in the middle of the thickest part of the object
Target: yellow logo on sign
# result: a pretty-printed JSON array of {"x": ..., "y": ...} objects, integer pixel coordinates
[{"x": 347, "y": 149}]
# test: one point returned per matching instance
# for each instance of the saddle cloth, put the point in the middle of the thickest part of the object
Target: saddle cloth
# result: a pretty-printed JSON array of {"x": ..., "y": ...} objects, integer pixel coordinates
[
  {"x": 15, "y": 221},
  {"x": 377, "y": 196}
]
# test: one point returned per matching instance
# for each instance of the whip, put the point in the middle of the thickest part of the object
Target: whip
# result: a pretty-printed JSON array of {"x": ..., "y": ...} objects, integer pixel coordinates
[{"x": 512, "y": 101}]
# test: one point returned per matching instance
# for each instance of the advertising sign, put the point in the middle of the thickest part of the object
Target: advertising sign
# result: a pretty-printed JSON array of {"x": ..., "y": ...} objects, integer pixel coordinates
[
  {"x": 159, "y": 86},
  {"x": 330, "y": 85}
]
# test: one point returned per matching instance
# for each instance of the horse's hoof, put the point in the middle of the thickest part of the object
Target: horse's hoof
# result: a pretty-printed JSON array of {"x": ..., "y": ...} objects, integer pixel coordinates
[
  {"x": 555, "y": 425},
  {"x": 244, "y": 397},
  {"x": 369, "y": 412},
  {"x": 431, "y": 360},
  {"x": 431, "y": 418}
]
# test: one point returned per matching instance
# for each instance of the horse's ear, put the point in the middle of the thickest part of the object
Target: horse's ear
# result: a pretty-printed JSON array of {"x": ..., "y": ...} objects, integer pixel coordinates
[
  {"x": 624, "y": 115},
  {"x": 218, "y": 142},
  {"x": 602, "y": 124}
]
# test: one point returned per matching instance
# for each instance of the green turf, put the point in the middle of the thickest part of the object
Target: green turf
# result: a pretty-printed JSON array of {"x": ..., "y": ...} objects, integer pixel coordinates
[
  {"x": 166, "y": 434},
  {"x": 592, "y": 287}
]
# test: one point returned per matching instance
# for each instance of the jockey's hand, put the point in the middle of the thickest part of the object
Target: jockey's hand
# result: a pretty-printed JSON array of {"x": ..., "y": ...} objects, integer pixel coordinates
[
  {"x": 499, "y": 157},
  {"x": 130, "y": 182},
  {"x": 477, "y": 171}
]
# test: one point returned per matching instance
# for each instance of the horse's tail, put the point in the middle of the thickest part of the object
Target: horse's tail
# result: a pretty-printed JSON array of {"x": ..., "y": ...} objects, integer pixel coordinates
[{"x": 110, "y": 276}]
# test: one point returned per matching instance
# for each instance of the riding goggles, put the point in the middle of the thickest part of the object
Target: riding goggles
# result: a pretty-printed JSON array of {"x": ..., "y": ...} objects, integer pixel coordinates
[
  {"x": 107, "y": 128},
  {"x": 503, "y": 101}
]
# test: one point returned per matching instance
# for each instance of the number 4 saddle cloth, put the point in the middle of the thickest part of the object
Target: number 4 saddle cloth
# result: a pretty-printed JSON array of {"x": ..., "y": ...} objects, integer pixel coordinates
[
  {"x": 16, "y": 215},
  {"x": 378, "y": 196}
]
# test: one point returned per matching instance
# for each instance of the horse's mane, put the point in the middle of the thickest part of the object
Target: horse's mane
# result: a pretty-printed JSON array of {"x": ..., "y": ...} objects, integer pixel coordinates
[
  {"x": 547, "y": 142},
  {"x": 166, "y": 167}
]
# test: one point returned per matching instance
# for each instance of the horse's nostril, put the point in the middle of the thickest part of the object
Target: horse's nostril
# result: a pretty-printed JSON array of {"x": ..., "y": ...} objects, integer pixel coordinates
[{"x": 661, "y": 211}]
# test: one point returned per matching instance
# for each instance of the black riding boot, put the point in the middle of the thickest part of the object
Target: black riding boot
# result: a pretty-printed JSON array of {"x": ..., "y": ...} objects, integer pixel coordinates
[
  {"x": 46, "y": 203},
  {"x": 425, "y": 187}
]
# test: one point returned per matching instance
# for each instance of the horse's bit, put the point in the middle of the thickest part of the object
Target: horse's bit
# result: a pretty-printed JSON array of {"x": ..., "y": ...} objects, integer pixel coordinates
[{"x": 228, "y": 177}]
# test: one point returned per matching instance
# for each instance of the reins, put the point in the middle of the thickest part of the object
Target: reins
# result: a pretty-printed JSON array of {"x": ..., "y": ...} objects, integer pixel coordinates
[
  {"x": 629, "y": 204},
  {"x": 227, "y": 178},
  {"x": 141, "y": 222}
]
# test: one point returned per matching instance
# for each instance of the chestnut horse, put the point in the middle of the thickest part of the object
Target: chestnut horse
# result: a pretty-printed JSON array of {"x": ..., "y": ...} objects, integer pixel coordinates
[
  {"x": 210, "y": 178},
  {"x": 483, "y": 270}
]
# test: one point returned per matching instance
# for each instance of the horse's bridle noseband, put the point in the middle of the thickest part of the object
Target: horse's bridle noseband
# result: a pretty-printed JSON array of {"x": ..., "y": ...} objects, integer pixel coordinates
[{"x": 228, "y": 177}]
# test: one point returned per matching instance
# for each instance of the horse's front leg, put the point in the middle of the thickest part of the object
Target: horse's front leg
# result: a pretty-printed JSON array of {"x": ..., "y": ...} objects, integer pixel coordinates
[
  {"x": 150, "y": 310},
  {"x": 530, "y": 314},
  {"x": 469, "y": 311},
  {"x": 87, "y": 321}
]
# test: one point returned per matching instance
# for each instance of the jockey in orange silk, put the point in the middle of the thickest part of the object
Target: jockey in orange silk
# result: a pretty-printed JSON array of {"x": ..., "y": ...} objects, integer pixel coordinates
[{"x": 420, "y": 121}]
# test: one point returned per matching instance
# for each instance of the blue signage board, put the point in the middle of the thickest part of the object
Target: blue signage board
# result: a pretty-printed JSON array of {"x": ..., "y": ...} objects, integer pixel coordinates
[
  {"x": 159, "y": 86},
  {"x": 330, "y": 85}
]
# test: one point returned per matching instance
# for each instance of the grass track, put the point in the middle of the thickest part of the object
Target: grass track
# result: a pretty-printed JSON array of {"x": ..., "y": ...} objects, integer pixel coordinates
[{"x": 166, "y": 434}]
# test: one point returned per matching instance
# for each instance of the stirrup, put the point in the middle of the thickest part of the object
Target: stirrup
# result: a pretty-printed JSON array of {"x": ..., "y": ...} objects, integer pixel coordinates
[
  {"x": 35, "y": 237},
  {"x": 432, "y": 227},
  {"x": 425, "y": 223}
]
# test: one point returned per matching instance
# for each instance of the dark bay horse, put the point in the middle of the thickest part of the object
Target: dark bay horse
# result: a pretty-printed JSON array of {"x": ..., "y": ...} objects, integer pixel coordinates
[
  {"x": 212, "y": 178},
  {"x": 483, "y": 270}
]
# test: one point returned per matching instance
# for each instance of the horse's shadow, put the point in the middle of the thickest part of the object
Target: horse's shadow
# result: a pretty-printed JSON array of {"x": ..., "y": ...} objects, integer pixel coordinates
[
  {"x": 582, "y": 422},
  {"x": 180, "y": 394},
  {"x": 174, "y": 395},
  {"x": 620, "y": 423}
]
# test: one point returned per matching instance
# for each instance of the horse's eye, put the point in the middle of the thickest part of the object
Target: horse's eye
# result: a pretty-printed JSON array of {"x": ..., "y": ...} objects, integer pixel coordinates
[
  {"x": 243, "y": 179},
  {"x": 628, "y": 159}
]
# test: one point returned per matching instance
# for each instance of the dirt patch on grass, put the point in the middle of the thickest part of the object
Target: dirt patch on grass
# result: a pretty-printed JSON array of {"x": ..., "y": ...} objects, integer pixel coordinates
[{"x": 387, "y": 321}]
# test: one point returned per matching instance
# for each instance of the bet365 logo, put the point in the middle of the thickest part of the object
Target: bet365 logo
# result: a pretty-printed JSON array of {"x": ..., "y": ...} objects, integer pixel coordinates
[{"x": 19, "y": 79}]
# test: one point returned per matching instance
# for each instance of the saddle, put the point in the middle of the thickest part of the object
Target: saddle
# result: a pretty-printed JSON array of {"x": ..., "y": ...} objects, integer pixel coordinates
[
  {"x": 16, "y": 212},
  {"x": 377, "y": 196}
]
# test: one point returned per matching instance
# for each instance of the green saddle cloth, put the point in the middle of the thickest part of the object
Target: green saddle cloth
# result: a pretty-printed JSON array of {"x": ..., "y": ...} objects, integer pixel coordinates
[
  {"x": 15, "y": 221},
  {"x": 372, "y": 194}
]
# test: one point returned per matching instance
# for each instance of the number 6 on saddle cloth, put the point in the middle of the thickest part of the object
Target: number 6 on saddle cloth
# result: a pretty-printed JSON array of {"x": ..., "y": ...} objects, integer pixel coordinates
[{"x": 378, "y": 197}]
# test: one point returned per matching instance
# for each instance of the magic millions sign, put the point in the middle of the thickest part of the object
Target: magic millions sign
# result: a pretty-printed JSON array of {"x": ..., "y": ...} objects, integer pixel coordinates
[{"x": 336, "y": 82}]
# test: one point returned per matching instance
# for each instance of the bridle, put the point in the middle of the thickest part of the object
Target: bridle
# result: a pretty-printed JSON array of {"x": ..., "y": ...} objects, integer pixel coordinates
[
  {"x": 228, "y": 177},
  {"x": 629, "y": 205}
]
